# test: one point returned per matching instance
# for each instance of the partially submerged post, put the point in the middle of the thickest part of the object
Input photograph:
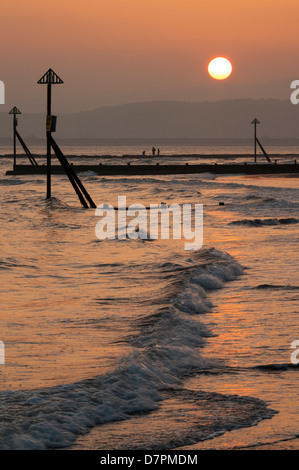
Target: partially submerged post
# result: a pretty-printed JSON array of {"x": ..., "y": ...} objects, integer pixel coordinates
[
  {"x": 16, "y": 135},
  {"x": 255, "y": 122},
  {"x": 50, "y": 78},
  {"x": 256, "y": 141},
  {"x": 15, "y": 111}
]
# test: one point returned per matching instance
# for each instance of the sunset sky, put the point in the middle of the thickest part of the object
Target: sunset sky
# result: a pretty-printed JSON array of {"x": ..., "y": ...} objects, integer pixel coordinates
[{"x": 115, "y": 51}]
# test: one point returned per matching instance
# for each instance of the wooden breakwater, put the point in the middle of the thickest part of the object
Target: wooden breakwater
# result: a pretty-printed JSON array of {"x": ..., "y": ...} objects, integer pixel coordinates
[{"x": 130, "y": 169}]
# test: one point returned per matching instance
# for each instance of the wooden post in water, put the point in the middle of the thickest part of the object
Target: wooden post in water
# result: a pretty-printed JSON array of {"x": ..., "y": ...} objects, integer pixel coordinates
[
  {"x": 15, "y": 111},
  {"x": 16, "y": 136},
  {"x": 49, "y": 78},
  {"x": 49, "y": 106},
  {"x": 255, "y": 122}
]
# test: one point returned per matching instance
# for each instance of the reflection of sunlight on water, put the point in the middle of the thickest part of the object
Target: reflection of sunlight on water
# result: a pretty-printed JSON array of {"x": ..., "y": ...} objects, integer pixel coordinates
[
  {"x": 256, "y": 326},
  {"x": 70, "y": 301},
  {"x": 57, "y": 329},
  {"x": 277, "y": 389}
]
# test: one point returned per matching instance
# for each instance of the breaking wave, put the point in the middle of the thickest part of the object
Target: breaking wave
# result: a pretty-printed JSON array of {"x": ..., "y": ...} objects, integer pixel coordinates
[
  {"x": 276, "y": 287},
  {"x": 277, "y": 367},
  {"x": 265, "y": 222},
  {"x": 165, "y": 349}
]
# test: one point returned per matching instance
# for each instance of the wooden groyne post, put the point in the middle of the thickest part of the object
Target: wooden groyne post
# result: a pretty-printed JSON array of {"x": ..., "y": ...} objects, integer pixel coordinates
[
  {"x": 255, "y": 122},
  {"x": 49, "y": 78},
  {"x": 16, "y": 136},
  {"x": 15, "y": 111},
  {"x": 256, "y": 141}
]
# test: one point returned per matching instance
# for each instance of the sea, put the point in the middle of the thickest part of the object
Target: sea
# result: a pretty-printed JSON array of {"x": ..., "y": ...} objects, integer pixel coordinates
[{"x": 140, "y": 344}]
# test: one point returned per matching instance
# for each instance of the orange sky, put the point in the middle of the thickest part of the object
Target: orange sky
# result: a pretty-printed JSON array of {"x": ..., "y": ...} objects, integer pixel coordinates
[{"x": 115, "y": 51}]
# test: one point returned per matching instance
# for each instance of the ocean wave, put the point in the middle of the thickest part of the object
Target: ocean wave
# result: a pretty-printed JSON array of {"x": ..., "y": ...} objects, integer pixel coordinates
[
  {"x": 276, "y": 287},
  {"x": 53, "y": 203},
  {"x": 277, "y": 367},
  {"x": 265, "y": 222},
  {"x": 165, "y": 349},
  {"x": 11, "y": 263},
  {"x": 269, "y": 201},
  {"x": 181, "y": 424},
  {"x": 11, "y": 182}
]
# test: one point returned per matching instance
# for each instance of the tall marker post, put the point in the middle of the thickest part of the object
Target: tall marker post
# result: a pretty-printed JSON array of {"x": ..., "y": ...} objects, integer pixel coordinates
[
  {"x": 15, "y": 111},
  {"x": 49, "y": 78},
  {"x": 16, "y": 136},
  {"x": 255, "y": 122},
  {"x": 256, "y": 141}
]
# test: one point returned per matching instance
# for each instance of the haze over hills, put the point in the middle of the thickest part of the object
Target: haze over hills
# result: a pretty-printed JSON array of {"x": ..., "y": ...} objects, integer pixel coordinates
[{"x": 229, "y": 119}]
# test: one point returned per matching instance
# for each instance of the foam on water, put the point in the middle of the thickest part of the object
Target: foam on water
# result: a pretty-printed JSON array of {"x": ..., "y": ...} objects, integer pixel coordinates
[{"x": 165, "y": 349}]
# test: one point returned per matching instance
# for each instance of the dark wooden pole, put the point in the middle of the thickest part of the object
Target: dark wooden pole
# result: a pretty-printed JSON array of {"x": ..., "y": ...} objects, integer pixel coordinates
[
  {"x": 50, "y": 78},
  {"x": 49, "y": 97},
  {"x": 15, "y": 111},
  {"x": 255, "y": 141},
  {"x": 255, "y": 122},
  {"x": 14, "y": 141}
]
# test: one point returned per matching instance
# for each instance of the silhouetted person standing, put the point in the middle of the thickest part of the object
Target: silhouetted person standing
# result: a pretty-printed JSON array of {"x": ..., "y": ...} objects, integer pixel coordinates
[
  {"x": 154, "y": 151},
  {"x": 158, "y": 152}
]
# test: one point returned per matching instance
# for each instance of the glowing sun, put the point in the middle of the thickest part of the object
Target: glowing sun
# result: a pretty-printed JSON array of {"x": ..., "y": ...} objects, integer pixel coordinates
[{"x": 220, "y": 68}]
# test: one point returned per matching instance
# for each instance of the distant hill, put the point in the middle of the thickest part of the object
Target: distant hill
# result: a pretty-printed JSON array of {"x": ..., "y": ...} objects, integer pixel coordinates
[{"x": 168, "y": 119}]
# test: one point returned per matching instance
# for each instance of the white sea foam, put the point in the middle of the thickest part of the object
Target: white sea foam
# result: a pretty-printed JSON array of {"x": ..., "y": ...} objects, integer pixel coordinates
[{"x": 166, "y": 348}]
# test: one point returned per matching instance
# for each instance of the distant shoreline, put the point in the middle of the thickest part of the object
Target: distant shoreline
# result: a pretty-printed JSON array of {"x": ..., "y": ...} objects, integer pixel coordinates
[{"x": 148, "y": 142}]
